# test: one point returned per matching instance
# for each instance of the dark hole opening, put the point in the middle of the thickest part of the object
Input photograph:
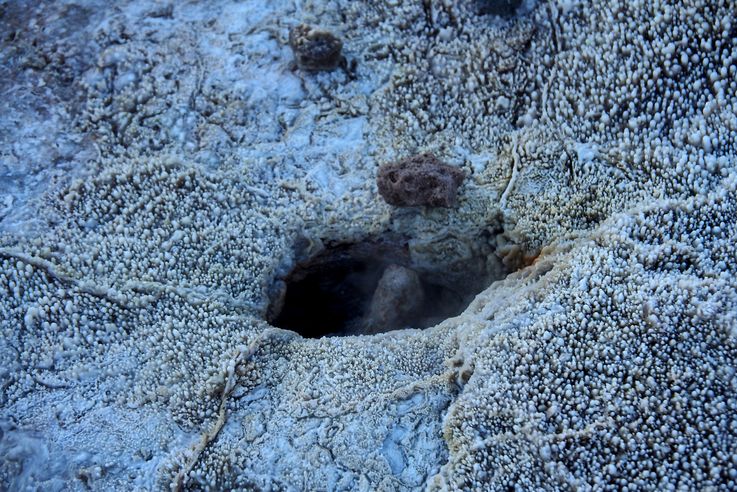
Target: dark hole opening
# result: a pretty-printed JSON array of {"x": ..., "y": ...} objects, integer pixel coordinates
[{"x": 369, "y": 288}]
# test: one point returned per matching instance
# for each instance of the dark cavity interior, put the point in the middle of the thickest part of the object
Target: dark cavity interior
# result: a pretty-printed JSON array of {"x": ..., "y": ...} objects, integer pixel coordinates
[{"x": 371, "y": 287}]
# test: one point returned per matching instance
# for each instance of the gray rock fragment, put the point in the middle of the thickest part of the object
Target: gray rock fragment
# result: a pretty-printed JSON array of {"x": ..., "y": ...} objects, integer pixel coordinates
[{"x": 398, "y": 295}]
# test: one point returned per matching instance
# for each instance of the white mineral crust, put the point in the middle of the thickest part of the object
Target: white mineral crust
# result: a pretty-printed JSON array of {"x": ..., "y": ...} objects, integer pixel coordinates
[{"x": 160, "y": 160}]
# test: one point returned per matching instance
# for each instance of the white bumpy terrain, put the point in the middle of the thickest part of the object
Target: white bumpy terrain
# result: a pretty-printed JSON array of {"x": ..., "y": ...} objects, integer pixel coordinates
[{"x": 163, "y": 164}]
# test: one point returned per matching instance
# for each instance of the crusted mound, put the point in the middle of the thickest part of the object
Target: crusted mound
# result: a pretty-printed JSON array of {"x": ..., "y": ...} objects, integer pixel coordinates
[{"x": 168, "y": 165}]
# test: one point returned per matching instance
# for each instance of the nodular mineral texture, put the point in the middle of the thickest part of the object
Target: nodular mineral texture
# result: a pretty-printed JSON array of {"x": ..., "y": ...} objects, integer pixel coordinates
[{"x": 164, "y": 167}]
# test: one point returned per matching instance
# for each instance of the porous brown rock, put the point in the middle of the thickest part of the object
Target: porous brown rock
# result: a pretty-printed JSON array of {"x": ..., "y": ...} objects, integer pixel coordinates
[
  {"x": 315, "y": 49},
  {"x": 422, "y": 179}
]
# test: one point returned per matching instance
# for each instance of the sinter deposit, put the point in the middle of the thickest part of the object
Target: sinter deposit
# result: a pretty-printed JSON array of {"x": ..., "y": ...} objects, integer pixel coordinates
[{"x": 169, "y": 169}]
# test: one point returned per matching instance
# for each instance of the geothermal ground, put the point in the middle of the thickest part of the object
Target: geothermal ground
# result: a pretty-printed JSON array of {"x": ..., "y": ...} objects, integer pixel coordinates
[{"x": 204, "y": 287}]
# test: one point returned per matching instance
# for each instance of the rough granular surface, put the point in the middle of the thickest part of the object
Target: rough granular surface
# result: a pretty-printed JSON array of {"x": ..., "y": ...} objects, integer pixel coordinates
[
  {"x": 315, "y": 49},
  {"x": 419, "y": 180},
  {"x": 162, "y": 165}
]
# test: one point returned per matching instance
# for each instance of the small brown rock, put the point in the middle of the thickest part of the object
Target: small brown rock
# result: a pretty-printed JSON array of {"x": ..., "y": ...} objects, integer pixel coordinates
[
  {"x": 419, "y": 180},
  {"x": 315, "y": 49}
]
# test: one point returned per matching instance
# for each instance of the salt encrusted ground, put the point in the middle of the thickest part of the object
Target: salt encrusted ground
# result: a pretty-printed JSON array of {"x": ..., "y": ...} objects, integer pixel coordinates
[{"x": 161, "y": 163}]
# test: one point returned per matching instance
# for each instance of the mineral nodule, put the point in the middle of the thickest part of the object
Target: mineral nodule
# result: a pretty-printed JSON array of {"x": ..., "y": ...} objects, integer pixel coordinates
[
  {"x": 315, "y": 49},
  {"x": 419, "y": 180}
]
